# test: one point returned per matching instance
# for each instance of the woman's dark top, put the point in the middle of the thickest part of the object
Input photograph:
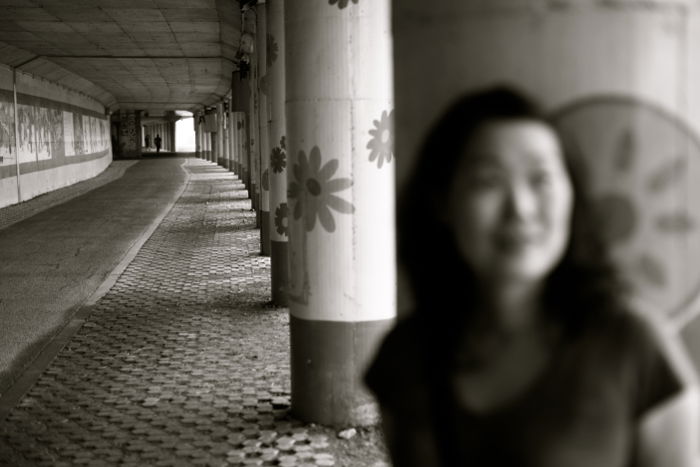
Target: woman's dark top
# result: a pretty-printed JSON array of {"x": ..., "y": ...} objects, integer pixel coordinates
[{"x": 582, "y": 410}]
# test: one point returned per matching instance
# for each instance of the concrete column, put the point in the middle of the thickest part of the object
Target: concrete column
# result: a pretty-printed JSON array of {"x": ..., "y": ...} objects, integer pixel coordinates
[
  {"x": 202, "y": 134},
  {"x": 230, "y": 131},
  {"x": 264, "y": 124},
  {"x": 172, "y": 131},
  {"x": 201, "y": 138},
  {"x": 279, "y": 212},
  {"x": 253, "y": 126},
  {"x": 242, "y": 149},
  {"x": 211, "y": 128},
  {"x": 197, "y": 136},
  {"x": 225, "y": 135},
  {"x": 220, "y": 134},
  {"x": 341, "y": 228},
  {"x": 211, "y": 145},
  {"x": 130, "y": 135},
  {"x": 237, "y": 154}
]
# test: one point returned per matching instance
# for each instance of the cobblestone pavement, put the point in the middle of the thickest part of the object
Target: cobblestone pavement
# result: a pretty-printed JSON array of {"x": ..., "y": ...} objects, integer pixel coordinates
[{"x": 183, "y": 361}]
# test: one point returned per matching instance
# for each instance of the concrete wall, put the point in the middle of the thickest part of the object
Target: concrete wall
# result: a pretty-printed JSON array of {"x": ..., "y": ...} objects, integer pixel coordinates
[{"x": 64, "y": 137}]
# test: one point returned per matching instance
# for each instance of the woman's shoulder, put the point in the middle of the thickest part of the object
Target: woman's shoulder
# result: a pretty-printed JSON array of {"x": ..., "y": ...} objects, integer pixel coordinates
[
  {"x": 652, "y": 357},
  {"x": 397, "y": 369},
  {"x": 639, "y": 333}
]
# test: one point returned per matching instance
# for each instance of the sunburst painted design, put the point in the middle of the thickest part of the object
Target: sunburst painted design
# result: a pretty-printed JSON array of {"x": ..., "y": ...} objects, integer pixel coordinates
[
  {"x": 642, "y": 167},
  {"x": 341, "y": 3},
  {"x": 619, "y": 217}
]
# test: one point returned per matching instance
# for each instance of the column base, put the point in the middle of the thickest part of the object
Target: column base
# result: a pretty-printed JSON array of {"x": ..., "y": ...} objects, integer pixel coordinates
[
  {"x": 279, "y": 272},
  {"x": 328, "y": 362}
]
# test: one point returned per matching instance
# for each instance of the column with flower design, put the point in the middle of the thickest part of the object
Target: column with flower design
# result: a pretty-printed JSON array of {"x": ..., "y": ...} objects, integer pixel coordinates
[
  {"x": 341, "y": 200},
  {"x": 231, "y": 144},
  {"x": 252, "y": 126},
  {"x": 224, "y": 135},
  {"x": 237, "y": 119},
  {"x": 220, "y": 134},
  {"x": 205, "y": 134},
  {"x": 278, "y": 153},
  {"x": 242, "y": 146},
  {"x": 263, "y": 122}
]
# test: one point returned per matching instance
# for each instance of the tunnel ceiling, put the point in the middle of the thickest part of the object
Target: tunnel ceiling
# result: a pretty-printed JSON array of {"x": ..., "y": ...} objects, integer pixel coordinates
[{"x": 129, "y": 54}]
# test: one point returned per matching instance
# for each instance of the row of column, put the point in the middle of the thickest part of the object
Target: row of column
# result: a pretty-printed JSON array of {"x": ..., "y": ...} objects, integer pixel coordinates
[
  {"x": 314, "y": 149},
  {"x": 165, "y": 130},
  {"x": 309, "y": 128}
]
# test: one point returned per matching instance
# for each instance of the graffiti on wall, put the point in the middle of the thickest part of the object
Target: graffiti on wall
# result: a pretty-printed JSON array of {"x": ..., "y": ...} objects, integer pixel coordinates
[
  {"x": 84, "y": 134},
  {"x": 40, "y": 132},
  {"x": 7, "y": 131},
  {"x": 48, "y": 132},
  {"x": 127, "y": 132}
]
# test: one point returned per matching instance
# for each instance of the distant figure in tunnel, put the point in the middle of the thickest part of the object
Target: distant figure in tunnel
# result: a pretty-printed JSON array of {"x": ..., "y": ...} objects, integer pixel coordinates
[
  {"x": 147, "y": 139},
  {"x": 522, "y": 349},
  {"x": 157, "y": 140}
]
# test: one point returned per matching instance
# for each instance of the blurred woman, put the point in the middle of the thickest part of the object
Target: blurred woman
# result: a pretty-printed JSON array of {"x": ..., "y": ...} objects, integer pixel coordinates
[{"x": 522, "y": 349}]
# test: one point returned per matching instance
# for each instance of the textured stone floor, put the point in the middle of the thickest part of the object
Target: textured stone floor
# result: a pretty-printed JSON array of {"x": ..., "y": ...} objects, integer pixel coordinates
[{"x": 183, "y": 361}]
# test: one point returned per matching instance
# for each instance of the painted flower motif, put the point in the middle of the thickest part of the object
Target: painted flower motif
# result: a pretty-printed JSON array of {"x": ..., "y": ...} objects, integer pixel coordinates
[
  {"x": 273, "y": 50},
  {"x": 264, "y": 85},
  {"x": 282, "y": 219},
  {"x": 266, "y": 180},
  {"x": 342, "y": 3},
  {"x": 278, "y": 160},
  {"x": 313, "y": 189},
  {"x": 381, "y": 145}
]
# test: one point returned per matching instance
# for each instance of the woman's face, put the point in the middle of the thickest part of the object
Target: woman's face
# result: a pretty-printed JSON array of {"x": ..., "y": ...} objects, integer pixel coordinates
[{"x": 511, "y": 200}]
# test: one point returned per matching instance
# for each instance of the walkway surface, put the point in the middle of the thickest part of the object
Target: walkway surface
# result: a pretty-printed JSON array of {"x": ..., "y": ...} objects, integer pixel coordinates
[
  {"x": 53, "y": 262},
  {"x": 182, "y": 362}
]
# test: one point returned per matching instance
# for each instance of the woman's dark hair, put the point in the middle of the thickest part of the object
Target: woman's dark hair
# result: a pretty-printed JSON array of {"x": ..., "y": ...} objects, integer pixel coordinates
[{"x": 583, "y": 284}]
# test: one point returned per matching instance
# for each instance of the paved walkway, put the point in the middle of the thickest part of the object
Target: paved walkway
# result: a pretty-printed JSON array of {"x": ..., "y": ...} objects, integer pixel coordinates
[{"x": 182, "y": 362}]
